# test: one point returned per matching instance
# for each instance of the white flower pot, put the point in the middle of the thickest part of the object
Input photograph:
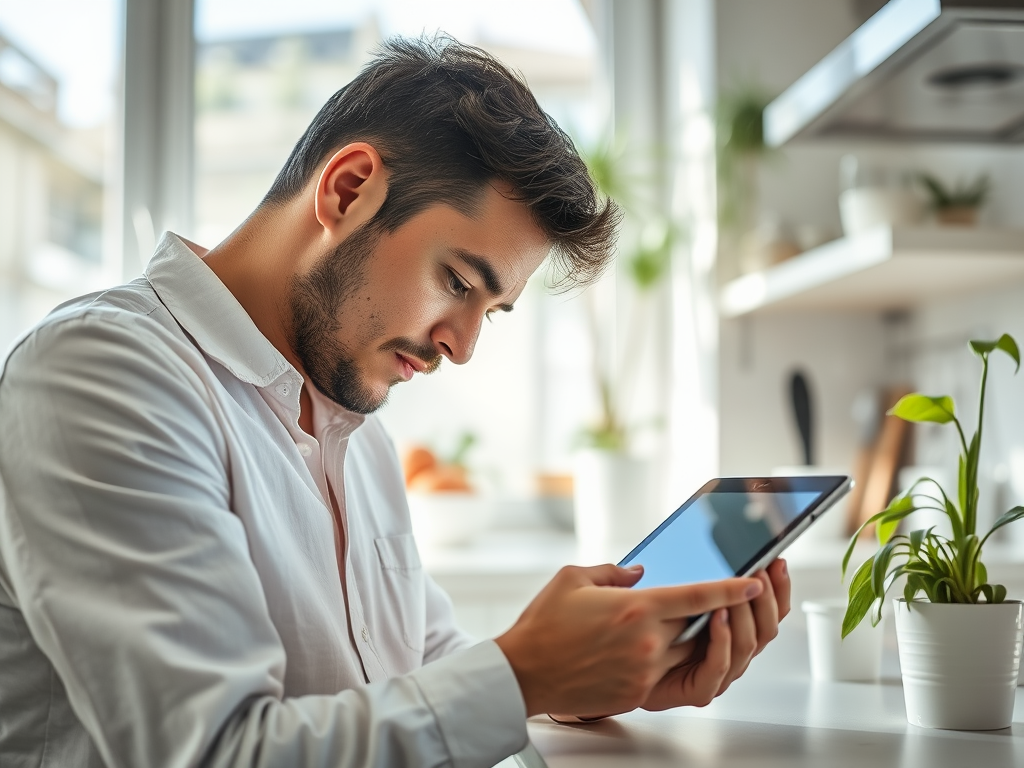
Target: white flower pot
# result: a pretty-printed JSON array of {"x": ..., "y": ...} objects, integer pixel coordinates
[
  {"x": 855, "y": 658},
  {"x": 611, "y": 499},
  {"x": 959, "y": 663}
]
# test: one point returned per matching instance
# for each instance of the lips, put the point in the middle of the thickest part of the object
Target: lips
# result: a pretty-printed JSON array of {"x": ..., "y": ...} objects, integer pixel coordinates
[{"x": 409, "y": 365}]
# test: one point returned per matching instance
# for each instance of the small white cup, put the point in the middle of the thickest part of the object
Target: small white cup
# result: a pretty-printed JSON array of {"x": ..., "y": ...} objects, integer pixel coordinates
[{"x": 857, "y": 658}]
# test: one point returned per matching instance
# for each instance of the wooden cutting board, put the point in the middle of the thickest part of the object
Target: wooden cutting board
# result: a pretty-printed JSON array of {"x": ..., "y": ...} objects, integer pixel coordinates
[{"x": 881, "y": 465}]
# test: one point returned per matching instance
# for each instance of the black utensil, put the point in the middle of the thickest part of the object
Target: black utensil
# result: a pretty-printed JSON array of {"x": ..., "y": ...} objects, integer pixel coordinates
[{"x": 802, "y": 412}]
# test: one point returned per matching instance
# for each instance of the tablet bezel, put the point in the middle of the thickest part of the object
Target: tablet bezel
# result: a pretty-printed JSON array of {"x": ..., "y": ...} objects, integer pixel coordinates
[{"x": 830, "y": 489}]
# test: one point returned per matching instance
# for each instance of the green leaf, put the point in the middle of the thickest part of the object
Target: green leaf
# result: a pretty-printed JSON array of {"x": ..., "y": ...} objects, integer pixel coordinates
[
  {"x": 1006, "y": 518},
  {"x": 954, "y": 519},
  {"x": 917, "y": 539},
  {"x": 889, "y": 518},
  {"x": 1004, "y": 343},
  {"x": 966, "y": 556},
  {"x": 881, "y": 565},
  {"x": 901, "y": 506},
  {"x": 860, "y": 604},
  {"x": 981, "y": 573},
  {"x": 962, "y": 486},
  {"x": 915, "y": 407},
  {"x": 915, "y": 584},
  {"x": 862, "y": 576},
  {"x": 970, "y": 481},
  {"x": 999, "y": 593},
  {"x": 886, "y": 528}
]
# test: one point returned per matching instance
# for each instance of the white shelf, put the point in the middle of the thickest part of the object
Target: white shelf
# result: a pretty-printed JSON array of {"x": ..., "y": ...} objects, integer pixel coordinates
[{"x": 882, "y": 269}]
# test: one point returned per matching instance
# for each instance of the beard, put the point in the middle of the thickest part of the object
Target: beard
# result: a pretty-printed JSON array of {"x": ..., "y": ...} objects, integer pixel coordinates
[{"x": 317, "y": 301}]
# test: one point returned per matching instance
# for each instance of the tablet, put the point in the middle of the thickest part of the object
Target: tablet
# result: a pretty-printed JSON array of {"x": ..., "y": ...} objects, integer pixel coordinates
[{"x": 733, "y": 526}]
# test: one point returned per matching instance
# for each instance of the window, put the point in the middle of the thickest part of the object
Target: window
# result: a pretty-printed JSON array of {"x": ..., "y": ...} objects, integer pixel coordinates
[{"x": 58, "y": 93}]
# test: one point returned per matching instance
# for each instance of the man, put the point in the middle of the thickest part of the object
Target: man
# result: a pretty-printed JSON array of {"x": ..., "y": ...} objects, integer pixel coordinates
[{"x": 205, "y": 549}]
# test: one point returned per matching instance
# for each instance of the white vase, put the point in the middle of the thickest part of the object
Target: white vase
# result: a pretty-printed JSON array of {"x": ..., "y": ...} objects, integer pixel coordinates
[
  {"x": 959, "y": 663},
  {"x": 611, "y": 499},
  {"x": 855, "y": 658}
]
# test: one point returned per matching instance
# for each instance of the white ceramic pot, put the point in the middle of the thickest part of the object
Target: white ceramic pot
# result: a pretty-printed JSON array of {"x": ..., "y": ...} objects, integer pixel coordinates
[
  {"x": 959, "y": 663},
  {"x": 855, "y": 658},
  {"x": 864, "y": 208},
  {"x": 611, "y": 501}
]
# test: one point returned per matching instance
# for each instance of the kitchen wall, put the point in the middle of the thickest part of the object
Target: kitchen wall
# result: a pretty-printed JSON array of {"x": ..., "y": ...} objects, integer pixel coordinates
[{"x": 772, "y": 43}]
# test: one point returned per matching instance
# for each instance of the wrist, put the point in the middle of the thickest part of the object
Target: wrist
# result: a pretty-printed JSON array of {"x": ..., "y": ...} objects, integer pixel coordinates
[{"x": 515, "y": 656}]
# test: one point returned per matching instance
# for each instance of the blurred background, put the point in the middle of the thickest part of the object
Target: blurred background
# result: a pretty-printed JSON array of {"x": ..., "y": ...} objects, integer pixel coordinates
[{"x": 777, "y": 284}]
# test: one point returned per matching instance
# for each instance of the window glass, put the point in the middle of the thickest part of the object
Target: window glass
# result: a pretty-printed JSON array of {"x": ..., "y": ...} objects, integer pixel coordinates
[
  {"x": 58, "y": 93},
  {"x": 263, "y": 70}
]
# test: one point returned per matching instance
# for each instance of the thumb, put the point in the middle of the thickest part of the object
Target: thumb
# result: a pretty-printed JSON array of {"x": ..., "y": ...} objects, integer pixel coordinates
[{"x": 613, "y": 576}]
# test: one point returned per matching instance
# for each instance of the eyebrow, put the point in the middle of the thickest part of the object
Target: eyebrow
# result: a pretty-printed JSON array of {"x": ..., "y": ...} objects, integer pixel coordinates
[{"x": 483, "y": 267}]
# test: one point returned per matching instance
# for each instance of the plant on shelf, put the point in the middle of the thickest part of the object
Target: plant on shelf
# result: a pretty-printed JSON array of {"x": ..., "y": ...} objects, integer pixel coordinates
[
  {"x": 943, "y": 573},
  {"x": 959, "y": 204},
  {"x": 612, "y": 501},
  {"x": 741, "y": 150},
  {"x": 650, "y": 238}
]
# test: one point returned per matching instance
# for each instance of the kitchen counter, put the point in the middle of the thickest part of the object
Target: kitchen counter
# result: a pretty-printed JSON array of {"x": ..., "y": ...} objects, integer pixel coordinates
[{"x": 775, "y": 715}]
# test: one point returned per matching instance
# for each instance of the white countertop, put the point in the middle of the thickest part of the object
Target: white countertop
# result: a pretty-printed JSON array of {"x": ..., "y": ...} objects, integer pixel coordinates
[{"x": 775, "y": 715}]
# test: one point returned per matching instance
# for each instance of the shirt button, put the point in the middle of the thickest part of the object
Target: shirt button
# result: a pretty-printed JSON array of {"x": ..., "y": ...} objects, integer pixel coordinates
[
  {"x": 305, "y": 449},
  {"x": 283, "y": 390},
  {"x": 366, "y": 635}
]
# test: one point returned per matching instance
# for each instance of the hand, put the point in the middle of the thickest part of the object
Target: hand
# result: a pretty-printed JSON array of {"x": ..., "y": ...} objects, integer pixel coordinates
[
  {"x": 735, "y": 636},
  {"x": 586, "y": 645}
]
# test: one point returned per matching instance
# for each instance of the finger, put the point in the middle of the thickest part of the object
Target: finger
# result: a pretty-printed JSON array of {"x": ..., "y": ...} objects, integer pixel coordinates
[
  {"x": 677, "y": 654},
  {"x": 766, "y": 614},
  {"x": 778, "y": 572},
  {"x": 607, "y": 575},
  {"x": 709, "y": 677},
  {"x": 695, "y": 599},
  {"x": 671, "y": 629},
  {"x": 744, "y": 640}
]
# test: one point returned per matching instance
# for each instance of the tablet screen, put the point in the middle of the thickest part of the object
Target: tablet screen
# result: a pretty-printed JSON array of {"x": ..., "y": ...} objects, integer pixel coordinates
[{"x": 718, "y": 534}]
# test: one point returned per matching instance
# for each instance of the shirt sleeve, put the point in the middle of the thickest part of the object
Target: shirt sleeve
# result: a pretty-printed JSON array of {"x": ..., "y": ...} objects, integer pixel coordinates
[
  {"x": 134, "y": 578},
  {"x": 443, "y": 635}
]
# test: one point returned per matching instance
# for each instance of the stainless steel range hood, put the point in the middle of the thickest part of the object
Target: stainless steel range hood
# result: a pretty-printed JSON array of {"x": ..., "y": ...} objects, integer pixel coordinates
[{"x": 922, "y": 70}]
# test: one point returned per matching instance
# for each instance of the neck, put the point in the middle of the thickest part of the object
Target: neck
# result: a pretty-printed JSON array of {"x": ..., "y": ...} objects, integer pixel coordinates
[{"x": 256, "y": 263}]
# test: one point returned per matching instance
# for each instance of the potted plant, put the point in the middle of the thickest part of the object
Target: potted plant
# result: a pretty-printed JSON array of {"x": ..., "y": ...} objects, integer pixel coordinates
[
  {"x": 741, "y": 151},
  {"x": 612, "y": 497},
  {"x": 959, "y": 637},
  {"x": 959, "y": 204}
]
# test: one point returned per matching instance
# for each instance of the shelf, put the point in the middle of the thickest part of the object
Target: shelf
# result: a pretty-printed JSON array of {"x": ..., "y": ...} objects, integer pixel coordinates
[{"x": 882, "y": 269}]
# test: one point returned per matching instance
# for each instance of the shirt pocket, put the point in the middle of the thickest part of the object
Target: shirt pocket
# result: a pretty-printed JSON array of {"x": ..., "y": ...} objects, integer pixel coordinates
[{"x": 404, "y": 609}]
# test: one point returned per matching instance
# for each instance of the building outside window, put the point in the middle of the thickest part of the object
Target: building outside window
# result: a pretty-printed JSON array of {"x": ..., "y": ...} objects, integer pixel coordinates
[{"x": 58, "y": 96}]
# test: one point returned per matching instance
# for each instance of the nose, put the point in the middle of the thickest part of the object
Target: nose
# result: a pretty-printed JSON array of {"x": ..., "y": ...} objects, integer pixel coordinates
[{"x": 456, "y": 337}]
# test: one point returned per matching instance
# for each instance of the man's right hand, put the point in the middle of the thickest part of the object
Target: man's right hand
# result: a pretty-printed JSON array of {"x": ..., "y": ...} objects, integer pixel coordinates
[{"x": 585, "y": 647}]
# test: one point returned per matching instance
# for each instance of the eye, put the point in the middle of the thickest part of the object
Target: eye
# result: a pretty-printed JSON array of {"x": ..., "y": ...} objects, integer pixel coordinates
[{"x": 455, "y": 284}]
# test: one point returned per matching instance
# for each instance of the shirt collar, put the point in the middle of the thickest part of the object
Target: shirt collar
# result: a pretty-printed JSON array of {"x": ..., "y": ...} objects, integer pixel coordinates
[{"x": 210, "y": 313}]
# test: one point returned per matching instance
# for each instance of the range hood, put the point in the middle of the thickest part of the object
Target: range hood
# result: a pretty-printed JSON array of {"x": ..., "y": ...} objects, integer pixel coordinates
[{"x": 920, "y": 70}]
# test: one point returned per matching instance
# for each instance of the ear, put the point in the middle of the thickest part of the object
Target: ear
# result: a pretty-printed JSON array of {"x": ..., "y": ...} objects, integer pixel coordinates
[{"x": 351, "y": 189}]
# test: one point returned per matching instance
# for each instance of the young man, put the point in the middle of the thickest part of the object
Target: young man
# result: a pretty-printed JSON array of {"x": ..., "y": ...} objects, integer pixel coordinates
[{"x": 205, "y": 549}]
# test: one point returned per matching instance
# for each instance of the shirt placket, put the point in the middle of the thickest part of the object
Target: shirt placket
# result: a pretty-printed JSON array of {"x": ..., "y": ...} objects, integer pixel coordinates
[{"x": 336, "y": 445}]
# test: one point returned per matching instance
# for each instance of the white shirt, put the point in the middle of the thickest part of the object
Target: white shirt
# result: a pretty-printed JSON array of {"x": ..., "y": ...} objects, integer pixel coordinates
[{"x": 170, "y": 592}]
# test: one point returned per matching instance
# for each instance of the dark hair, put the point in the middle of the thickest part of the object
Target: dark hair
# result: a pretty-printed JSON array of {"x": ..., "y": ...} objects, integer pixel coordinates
[{"x": 448, "y": 118}]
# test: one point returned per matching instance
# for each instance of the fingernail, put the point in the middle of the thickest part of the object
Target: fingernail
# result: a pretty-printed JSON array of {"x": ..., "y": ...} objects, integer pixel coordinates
[
  {"x": 785, "y": 568},
  {"x": 723, "y": 616},
  {"x": 634, "y": 567},
  {"x": 754, "y": 589}
]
